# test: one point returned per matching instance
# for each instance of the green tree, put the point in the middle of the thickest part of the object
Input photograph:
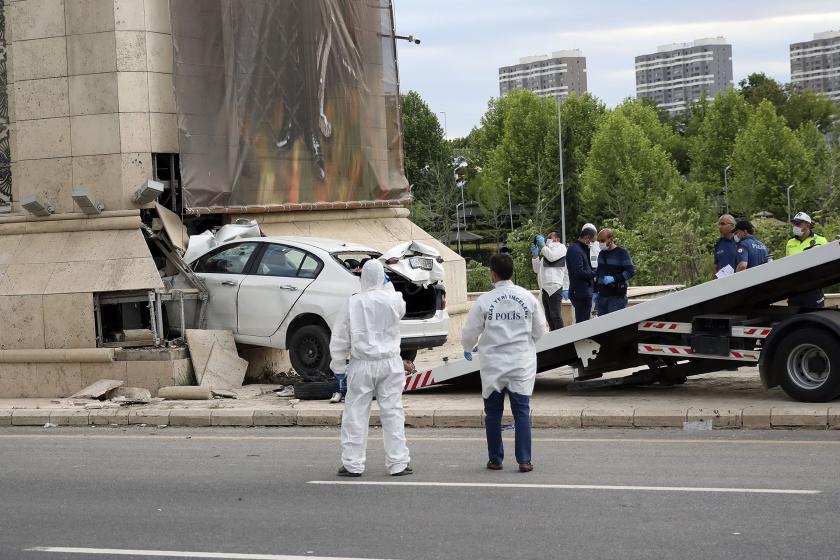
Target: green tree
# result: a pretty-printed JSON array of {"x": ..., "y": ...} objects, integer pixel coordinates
[
  {"x": 768, "y": 157},
  {"x": 657, "y": 128},
  {"x": 625, "y": 172},
  {"x": 758, "y": 87},
  {"x": 711, "y": 150},
  {"x": 423, "y": 142},
  {"x": 805, "y": 106}
]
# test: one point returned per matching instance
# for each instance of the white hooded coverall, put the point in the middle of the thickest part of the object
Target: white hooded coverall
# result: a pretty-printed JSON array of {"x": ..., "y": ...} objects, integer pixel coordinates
[
  {"x": 367, "y": 332},
  {"x": 509, "y": 322}
]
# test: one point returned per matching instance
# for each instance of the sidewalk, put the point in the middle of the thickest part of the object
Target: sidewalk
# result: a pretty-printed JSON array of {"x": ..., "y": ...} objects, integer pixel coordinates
[{"x": 728, "y": 399}]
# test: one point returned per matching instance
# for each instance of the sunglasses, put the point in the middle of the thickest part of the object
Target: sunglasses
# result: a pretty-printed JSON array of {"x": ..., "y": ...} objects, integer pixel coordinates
[{"x": 799, "y": 223}]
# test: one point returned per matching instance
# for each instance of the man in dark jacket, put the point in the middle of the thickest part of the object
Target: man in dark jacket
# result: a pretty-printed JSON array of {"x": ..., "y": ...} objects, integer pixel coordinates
[
  {"x": 581, "y": 274},
  {"x": 615, "y": 268}
]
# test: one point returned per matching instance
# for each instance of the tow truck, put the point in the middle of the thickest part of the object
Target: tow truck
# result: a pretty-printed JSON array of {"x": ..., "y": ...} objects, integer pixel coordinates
[{"x": 723, "y": 324}]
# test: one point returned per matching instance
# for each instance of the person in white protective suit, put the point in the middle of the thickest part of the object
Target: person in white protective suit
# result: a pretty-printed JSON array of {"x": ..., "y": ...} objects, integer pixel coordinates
[
  {"x": 506, "y": 322},
  {"x": 367, "y": 332}
]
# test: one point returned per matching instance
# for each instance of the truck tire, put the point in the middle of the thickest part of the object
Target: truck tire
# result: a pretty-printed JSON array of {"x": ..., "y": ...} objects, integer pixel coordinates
[
  {"x": 315, "y": 390},
  {"x": 309, "y": 350},
  {"x": 807, "y": 365}
]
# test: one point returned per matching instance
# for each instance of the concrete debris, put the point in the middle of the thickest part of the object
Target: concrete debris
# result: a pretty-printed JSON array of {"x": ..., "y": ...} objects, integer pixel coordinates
[
  {"x": 98, "y": 389},
  {"x": 224, "y": 369},
  {"x": 222, "y": 394},
  {"x": 136, "y": 335},
  {"x": 184, "y": 393},
  {"x": 130, "y": 395},
  {"x": 50, "y": 425},
  {"x": 201, "y": 343}
]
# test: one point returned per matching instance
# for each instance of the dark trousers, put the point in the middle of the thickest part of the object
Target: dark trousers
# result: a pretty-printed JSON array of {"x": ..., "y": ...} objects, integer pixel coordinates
[
  {"x": 608, "y": 304},
  {"x": 553, "y": 305},
  {"x": 494, "y": 406},
  {"x": 814, "y": 299},
  {"x": 583, "y": 308}
]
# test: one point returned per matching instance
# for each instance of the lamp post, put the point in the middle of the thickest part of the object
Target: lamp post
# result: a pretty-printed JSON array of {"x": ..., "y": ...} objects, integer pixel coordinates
[
  {"x": 510, "y": 206},
  {"x": 726, "y": 187},
  {"x": 788, "y": 201},
  {"x": 458, "y": 224},
  {"x": 562, "y": 186}
]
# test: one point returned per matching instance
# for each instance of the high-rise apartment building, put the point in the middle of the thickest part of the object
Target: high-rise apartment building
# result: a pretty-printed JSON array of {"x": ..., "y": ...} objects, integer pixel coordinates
[
  {"x": 815, "y": 65},
  {"x": 555, "y": 75},
  {"x": 676, "y": 75}
]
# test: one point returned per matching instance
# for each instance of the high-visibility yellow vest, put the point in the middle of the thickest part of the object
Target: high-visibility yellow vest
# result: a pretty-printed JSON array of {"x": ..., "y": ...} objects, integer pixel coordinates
[{"x": 794, "y": 245}]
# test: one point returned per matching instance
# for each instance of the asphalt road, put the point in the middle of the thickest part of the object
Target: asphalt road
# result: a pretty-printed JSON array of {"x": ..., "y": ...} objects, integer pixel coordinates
[{"x": 262, "y": 493}]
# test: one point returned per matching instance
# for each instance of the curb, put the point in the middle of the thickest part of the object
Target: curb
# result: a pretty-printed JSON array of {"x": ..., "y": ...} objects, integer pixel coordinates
[{"x": 750, "y": 418}]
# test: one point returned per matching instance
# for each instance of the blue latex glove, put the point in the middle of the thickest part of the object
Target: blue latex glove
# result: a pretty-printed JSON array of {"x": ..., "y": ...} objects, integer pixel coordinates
[
  {"x": 565, "y": 294},
  {"x": 534, "y": 250},
  {"x": 540, "y": 241},
  {"x": 386, "y": 280},
  {"x": 594, "y": 298},
  {"x": 468, "y": 356},
  {"x": 607, "y": 280}
]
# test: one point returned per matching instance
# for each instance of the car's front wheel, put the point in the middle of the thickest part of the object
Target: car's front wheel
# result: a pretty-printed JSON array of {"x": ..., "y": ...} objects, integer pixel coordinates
[{"x": 309, "y": 351}]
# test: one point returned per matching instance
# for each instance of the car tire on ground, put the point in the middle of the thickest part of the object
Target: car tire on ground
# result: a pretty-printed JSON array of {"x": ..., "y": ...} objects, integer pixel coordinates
[
  {"x": 807, "y": 365},
  {"x": 309, "y": 350},
  {"x": 315, "y": 390}
]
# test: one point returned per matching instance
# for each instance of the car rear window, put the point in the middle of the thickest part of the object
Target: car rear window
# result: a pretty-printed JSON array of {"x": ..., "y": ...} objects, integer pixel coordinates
[{"x": 354, "y": 260}]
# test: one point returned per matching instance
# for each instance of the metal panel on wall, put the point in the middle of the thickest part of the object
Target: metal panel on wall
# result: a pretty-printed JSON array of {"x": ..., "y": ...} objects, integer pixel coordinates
[{"x": 286, "y": 102}]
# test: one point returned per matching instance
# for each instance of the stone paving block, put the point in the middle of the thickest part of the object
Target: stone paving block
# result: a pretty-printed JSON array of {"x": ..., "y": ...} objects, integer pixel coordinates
[
  {"x": 30, "y": 417},
  {"x": 190, "y": 417},
  {"x": 655, "y": 417},
  {"x": 69, "y": 417},
  {"x": 563, "y": 418},
  {"x": 150, "y": 417},
  {"x": 756, "y": 418},
  {"x": 275, "y": 417},
  {"x": 458, "y": 419},
  {"x": 109, "y": 416},
  {"x": 232, "y": 417},
  {"x": 720, "y": 417},
  {"x": 796, "y": 417},
  {"x": 419, "y": 418},
  {"x": 6, "y": 417},
  {"x": 607, "y": 417},
  {"x": 323, "y": 417},
  {"x": 833, "y": 418}
]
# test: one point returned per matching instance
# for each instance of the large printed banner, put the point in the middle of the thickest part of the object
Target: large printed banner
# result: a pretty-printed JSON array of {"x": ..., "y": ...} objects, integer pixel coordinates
[{"x": 286, "y": 101}]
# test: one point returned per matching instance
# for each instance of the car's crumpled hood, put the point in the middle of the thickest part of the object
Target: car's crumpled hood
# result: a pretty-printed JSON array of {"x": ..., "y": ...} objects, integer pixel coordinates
[
  {"x": 404, "y": 252},
  {"x": 204, "y": 242}
]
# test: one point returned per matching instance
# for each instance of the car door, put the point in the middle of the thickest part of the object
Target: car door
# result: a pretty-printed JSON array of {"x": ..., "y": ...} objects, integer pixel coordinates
[
  {"x": 223, "y": 270},
  {"x": 267, "y": 295}
]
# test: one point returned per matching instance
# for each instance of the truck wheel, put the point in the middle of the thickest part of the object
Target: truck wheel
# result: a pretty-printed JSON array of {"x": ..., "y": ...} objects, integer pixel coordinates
[
  {"x": 309, "y": 350},
  {"x": 807, "y": 364},
  {"x": 315, "y": 390}
]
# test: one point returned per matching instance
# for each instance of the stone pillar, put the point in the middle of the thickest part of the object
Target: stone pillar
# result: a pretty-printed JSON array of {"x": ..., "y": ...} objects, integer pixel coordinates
[{"x": 91, "y": 97}]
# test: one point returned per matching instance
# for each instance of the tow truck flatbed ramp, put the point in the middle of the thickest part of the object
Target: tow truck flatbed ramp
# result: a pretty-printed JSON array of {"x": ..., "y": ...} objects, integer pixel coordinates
[{"x": 610, "y": 343}]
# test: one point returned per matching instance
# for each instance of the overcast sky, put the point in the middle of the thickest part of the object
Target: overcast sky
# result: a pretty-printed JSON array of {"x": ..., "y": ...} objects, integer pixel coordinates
[{"x": 464, "y": 42}]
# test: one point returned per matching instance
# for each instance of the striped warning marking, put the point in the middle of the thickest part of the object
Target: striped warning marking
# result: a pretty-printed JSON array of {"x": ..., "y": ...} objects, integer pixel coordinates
[
  {"x": 418, "y": 380},
  {"x": 686, "y": 351}
]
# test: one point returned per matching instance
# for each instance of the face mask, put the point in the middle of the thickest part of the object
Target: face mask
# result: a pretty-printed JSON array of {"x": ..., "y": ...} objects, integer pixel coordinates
[
  {"x": 602, "y": 246},
  {"x": 797, "y": 231}
]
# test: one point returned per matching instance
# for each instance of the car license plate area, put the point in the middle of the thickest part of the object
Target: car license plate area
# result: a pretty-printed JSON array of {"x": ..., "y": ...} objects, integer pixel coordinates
[{"x": 420, "y": 262}]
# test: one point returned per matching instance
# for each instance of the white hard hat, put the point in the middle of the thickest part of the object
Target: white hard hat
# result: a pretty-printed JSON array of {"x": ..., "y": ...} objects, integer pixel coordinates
[
  {"x": 802, "y": 217},
  {"x": 589, "y": 227}
]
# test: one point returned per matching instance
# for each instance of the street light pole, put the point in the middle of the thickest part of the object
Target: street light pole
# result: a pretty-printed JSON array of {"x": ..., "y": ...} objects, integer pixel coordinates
[
  {"x": 726, "y": 187},
  {"x": 788, "y": 201},
  {"x": 562, "y": 186},
  {"x": 458, "y": 223},
  {"x": 510, "y": 206}
]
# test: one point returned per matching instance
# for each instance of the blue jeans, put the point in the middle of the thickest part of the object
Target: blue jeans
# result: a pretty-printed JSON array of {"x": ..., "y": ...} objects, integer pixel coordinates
[
  {"x": 494, "y": 406},
  {"x": 342, "y": 382},
  {"x": 583, "y": 308},
  {"x": 608, "y": 304}
]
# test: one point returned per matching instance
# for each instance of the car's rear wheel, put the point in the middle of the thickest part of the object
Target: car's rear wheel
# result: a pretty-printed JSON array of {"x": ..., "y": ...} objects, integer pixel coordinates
[{"x": 309, "y": 351}]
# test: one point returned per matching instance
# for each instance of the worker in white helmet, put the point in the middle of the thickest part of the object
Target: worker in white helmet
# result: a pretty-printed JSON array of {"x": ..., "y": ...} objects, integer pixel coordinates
[{"x": 367, "y": 332}]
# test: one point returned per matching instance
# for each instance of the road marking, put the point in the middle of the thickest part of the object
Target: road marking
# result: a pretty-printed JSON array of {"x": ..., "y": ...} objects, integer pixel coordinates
[
  {"x": 182, "y": 554},
  {"x": 567, "y": 487},
  {"x": 159, "y": 436}
]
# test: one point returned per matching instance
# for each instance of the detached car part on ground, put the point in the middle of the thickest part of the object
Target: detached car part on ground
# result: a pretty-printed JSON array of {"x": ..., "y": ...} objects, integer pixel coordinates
[{"x": 286, "y": 292}]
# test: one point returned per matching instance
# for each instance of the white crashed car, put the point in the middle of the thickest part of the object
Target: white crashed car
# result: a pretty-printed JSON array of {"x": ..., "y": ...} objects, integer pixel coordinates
[{"x": 286, "y": 292}]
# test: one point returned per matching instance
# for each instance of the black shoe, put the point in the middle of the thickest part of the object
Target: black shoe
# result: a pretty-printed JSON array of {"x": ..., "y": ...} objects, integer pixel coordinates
[
  {"x": 494, "y": 466},
  {"x": 405, "y": 472},
  {"x": 344, "y": 472}
]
